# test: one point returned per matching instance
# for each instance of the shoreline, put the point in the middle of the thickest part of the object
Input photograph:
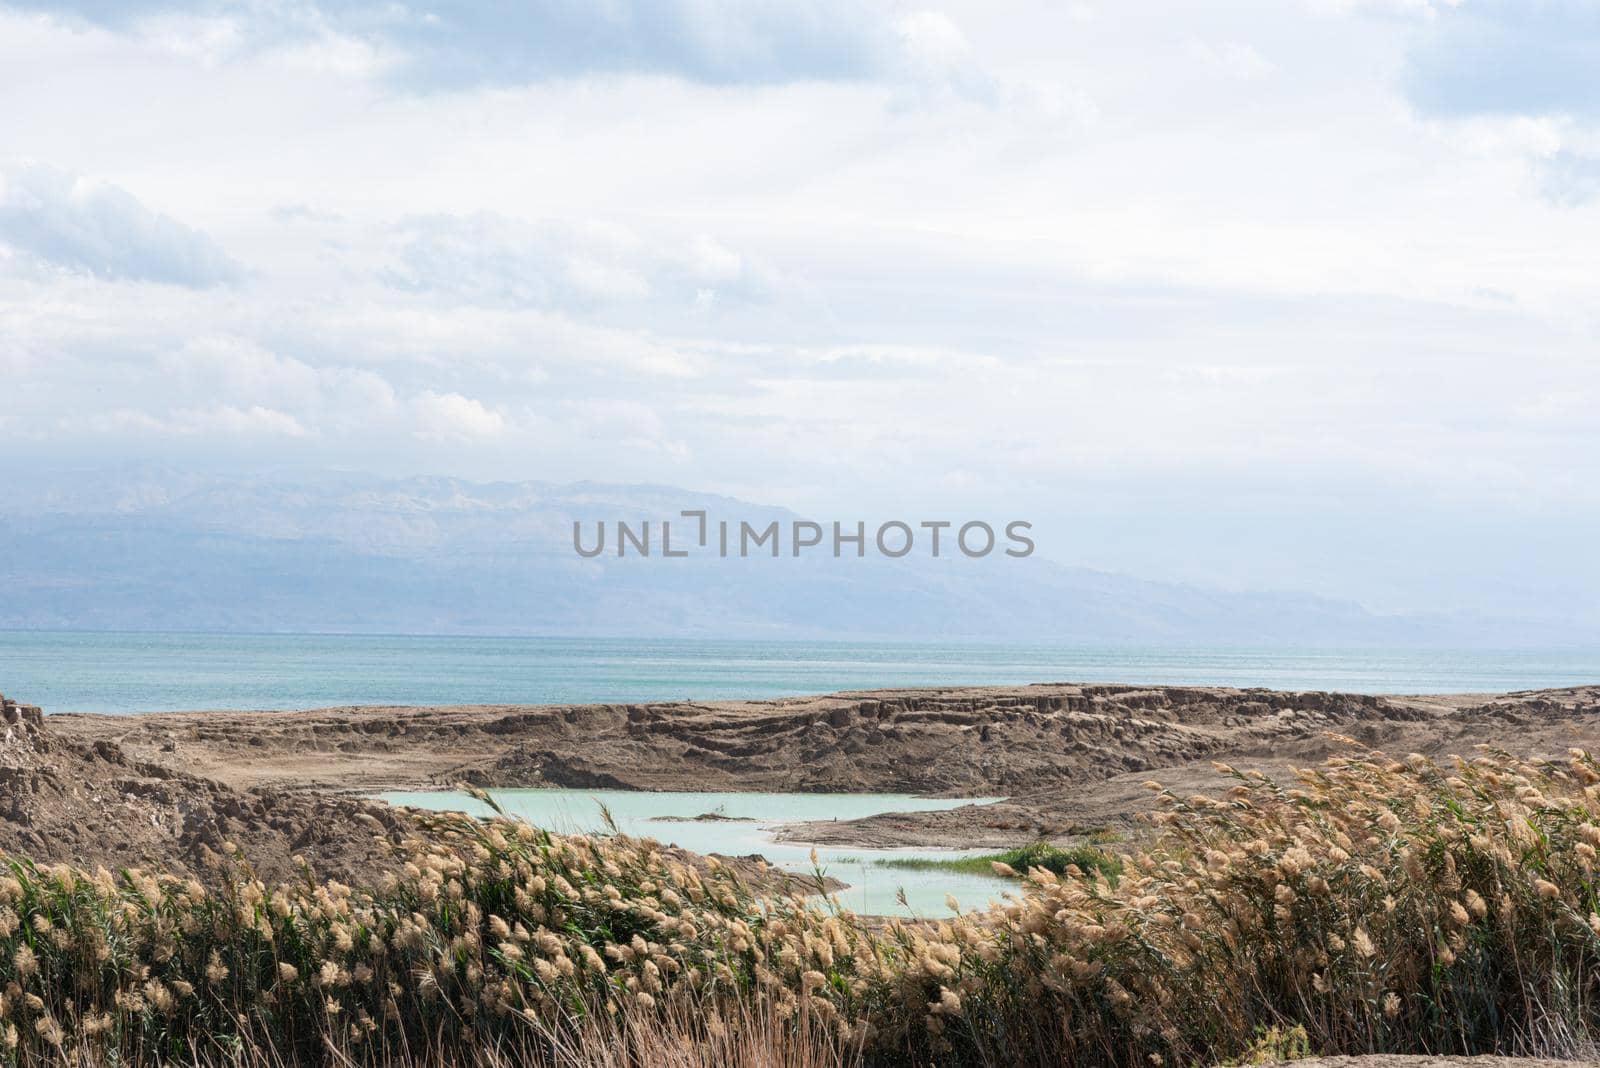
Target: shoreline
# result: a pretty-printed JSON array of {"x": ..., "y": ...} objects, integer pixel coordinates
[{"x": 1070, "y": 760}]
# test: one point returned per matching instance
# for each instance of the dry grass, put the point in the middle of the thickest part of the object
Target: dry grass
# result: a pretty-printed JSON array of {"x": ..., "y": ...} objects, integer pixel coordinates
[{"x": 1371, "y": 906}]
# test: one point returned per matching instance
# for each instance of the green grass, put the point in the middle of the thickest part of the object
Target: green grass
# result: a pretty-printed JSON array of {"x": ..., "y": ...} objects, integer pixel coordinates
[{"x": 1085, "y": 858}]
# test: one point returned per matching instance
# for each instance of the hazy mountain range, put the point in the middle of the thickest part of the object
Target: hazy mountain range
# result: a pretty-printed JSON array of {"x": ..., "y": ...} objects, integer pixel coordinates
[{"x": 148, "y": 549}]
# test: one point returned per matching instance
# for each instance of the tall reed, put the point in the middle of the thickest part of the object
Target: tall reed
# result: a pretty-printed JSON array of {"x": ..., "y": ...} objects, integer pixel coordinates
[{"x": 1370, "y": 905}]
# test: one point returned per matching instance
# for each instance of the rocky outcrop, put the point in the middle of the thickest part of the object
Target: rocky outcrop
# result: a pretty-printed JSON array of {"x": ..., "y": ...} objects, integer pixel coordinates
[
  {"x": 88, "y": 802},
  {"x": 23, "y": 725}
]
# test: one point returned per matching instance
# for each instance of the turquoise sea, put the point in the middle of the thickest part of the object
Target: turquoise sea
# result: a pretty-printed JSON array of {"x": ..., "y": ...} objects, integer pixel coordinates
[{"x": 138, "y": 672}]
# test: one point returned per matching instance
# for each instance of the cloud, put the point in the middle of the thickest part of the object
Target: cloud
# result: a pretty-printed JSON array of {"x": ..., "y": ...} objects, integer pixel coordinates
[
  {"x": 252, "y": 378},
  {"x": 935, "y": 59},
  {"x": 1506, "y": 57},
  {"x": 218, "y": 421},
  {"x": 450, "y": 415},
  {"x": 289, "y": 214},
  {"x": 1385, "y": 7},
  {"x": 477, "y": 43},
  {"x": 222, "y": 387},
  {"x": 228, "y": 420},
  {"x": 1518, "y": 72},
  {"x": 101, "y": 230},
  {"x": 494, "y": 260},
  {"x": 473, "y": 43},
  {"x": 628, "y": 425},
  {"x": 1570, "y": 179}
]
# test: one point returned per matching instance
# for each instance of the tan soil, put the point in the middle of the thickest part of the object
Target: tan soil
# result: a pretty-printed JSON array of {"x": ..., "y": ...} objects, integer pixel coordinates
[
  {"x": 1070, "y": 759},
  {"x": 1394, "y": 1061},
  {"x": 86, "y": 801},
  {"x": 68, "y": 797}
]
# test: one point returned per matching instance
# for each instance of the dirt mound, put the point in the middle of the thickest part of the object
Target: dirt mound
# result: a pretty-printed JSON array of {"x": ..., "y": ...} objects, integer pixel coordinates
[
  {"x": 63, "y": 799},
  {"x": 1069, "y": 758},
  {"x": 988, "y": 741}
]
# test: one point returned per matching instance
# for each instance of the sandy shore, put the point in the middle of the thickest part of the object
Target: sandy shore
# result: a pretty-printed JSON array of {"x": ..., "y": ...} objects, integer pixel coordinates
[{"x": 1069, "y": 759}]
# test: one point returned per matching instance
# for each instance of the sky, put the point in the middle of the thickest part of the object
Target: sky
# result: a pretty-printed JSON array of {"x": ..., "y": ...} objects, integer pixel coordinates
[{"x": 1290, "y": 294}]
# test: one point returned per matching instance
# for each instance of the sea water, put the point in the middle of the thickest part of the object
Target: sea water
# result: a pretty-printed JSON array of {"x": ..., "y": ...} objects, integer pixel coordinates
[
  {"x": 745, "y": 826},
  {"x": 140, "y": 672}
]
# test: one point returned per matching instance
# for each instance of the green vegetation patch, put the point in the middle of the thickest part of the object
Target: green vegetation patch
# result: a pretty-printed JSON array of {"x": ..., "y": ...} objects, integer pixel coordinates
[{"x": 1053, "y": 858}]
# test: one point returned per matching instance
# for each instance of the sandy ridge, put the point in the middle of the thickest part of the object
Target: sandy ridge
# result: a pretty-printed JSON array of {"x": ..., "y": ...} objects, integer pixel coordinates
[{"x": 1070, "y": 758}]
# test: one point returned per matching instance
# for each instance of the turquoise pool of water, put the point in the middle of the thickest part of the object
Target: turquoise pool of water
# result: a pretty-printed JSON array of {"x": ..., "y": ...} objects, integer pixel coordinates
[{"x": 752, "y": 818}]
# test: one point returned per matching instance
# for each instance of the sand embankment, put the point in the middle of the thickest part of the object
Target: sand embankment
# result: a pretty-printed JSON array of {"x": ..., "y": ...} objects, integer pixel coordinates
[
  {"x": 66, "y": 797},
  {"x": 1070, "y": 759}
]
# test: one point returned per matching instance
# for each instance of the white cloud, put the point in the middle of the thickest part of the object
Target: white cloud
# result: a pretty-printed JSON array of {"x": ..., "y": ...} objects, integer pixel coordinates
[
  {"x": 1571, "y": 179},
  {"x": 1515, "y": 72},
  {"x": 709, "y": 262},
  {"x": 450, "y": 415},
  {"x": 228, "y": 420},
  {"x": 261, "y": 388},
  {"x": 473, "y": 43},
  {"x": 1386, "y": 7},
  {"x": 218, "y": 422},
  {"x": 492, "y": 259},
  {"x": 933, "y": 41},
  {"x": 102, "y": 230}
]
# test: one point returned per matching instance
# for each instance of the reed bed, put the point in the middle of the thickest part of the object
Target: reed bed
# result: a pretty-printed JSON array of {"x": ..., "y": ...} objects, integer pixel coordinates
[{"x": 1369, "y": 905}]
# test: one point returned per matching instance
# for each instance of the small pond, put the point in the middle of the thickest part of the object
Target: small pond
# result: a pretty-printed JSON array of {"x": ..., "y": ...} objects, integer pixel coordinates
[{"x": 746, "y": 826}]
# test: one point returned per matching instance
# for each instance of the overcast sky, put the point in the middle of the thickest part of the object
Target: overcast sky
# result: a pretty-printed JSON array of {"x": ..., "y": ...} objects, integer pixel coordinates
[{"x": 1286, "y": 294}]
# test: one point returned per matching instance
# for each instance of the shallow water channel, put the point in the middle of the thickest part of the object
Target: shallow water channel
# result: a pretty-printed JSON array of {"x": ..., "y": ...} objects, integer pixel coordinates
[{"x": 747, "y": 827}]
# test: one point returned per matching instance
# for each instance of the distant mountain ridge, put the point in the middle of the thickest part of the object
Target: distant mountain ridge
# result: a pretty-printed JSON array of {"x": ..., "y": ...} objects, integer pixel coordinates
[{"x": 148, "y": 549}]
